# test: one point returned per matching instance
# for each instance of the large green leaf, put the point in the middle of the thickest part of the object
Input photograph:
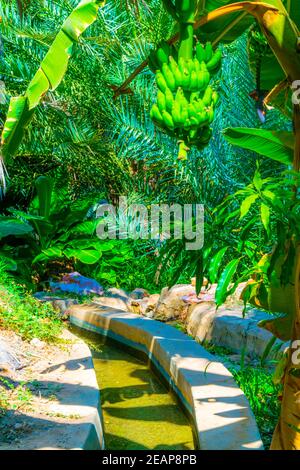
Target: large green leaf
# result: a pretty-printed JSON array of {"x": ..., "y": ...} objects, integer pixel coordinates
[
  {"x": 17, "y": 119},
  {"x": 11, "y": 226},
  {"x": 224, "y": 281},
  {"x": 265, "y": 216},
  {"x": 215, "y": 264},
  {"x": 49, "y": 253},
  {"x": 277, "y": 145},
  {"x": 86, "y": 256},
  {"x": 246, "y": 204},
  {"x": 48, "y": 76},
  {"x": 225, "y": 29},
  {"x": 9, "y": 263},
  {"x": 44, "y": 187}
]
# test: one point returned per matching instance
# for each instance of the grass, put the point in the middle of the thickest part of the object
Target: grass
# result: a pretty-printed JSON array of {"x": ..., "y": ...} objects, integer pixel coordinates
[
  {"x": 257, "y": 384},
  {"x": 21, "y": 313},
  {"x": 14, "y": 397}
]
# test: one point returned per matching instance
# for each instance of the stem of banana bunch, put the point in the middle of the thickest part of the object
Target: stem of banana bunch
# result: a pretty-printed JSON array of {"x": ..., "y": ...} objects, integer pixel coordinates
[
  {"x": 186, "y": 40},
  {"x": 186, "y": 43}
]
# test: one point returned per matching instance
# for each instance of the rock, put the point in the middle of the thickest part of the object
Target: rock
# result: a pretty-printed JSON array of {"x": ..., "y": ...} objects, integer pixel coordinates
[
  {"x": 78, "y": 284},
  {"x": 226, "y": 327},
  {"x": 200, "y": 320},
  {"x": 37, "y": 343},
  {"x": 139, "y": 293},
  {"x": 153, "y": 300},
  {"x": 149, "y": 314},
  {"x": 145, "y": 306},
  {"x": 60, "y": 304},
  {"x": 115, "y": 298},
  {"x": 117, "y": 293},
  {"x": 173, "y": 303},
  {"x": 8, "y": 361},
  {"x": 112, "y": 302}
]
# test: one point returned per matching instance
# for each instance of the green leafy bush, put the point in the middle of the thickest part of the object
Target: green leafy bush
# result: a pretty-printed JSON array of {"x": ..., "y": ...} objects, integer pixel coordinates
[{"x": 20, "y": 312}]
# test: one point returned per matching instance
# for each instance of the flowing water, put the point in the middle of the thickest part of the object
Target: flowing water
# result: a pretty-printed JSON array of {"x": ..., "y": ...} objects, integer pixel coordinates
[{"x": 138, "y": 410}]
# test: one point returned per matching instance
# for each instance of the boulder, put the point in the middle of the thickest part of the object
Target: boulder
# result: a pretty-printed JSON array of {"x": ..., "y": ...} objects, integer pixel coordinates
[
  {"x": 8, "y": 360},
  {"x": 173, "y": 303},
  {"x": 145, "y": 306},
  {"x": 228, "y": 328},
  {"x": 114, "y": 298},
  {"x": 139, "y": 293},
  {"x": 77, "y": 284}
]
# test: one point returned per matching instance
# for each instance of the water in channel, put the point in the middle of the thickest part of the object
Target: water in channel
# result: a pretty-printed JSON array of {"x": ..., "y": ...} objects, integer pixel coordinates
[{"x": 138, "y": 410}]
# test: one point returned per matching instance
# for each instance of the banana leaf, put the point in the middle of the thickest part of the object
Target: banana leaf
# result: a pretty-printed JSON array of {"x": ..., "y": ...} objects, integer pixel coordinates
[
  {"x": 230, "y": 27},
  {"x": 48, "y": 76},
  {"x": 10, "y": 226},
  {"x": 277, "y": 145},
  {"x": 225, "y": 29}
]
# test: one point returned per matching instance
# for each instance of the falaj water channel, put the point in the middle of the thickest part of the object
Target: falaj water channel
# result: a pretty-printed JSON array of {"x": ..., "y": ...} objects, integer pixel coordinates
[{"x": 139, "y": 412}]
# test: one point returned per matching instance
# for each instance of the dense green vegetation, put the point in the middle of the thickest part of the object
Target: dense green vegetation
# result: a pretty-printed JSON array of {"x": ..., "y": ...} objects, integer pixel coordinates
[
  {"x": 184, "y": 130},
  {"x": 257, "y": 384},
  {"x": 20, "y": 312}
]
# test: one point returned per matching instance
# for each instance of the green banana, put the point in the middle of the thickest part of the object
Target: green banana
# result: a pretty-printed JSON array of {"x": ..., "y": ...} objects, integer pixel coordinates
[
  {"x": 173, "y": 65},
  {"x": 161, "y": 82},
  {"x": 184, "y": 114},
  {"x": 169, "y": 99},
  {"x": 182, "y": 65},
  {"x": 198, "y": 105},
  {"x": 215, "y": 98},
  {"x": 176, "y": 72},
  {"x": 169, "y": 77},
  {"x": 186, "y": 80},
  {"x": 215, "y": 61},
  {"x": 163, "y": 53},
  {"x": 176, "y": 114},
  {"x": 194, "y": 81},
  {"x": 192, "y": 111},
  {"x": 161, "y": 100},
  {"x": 168, "y": 120},
  {"x": 178, "y": 77},
  {"x": 200, "y": 52},
  {"x": 195, "y": 121},
  {"x": 155, "y": 114},
  {"x": 196, "y": 64},
  {"x": 210, "y": 114},
  {"x": 190, "y": 65},
  {"x": 208, "y": 51},
  {"x": 207, "y": 96}
]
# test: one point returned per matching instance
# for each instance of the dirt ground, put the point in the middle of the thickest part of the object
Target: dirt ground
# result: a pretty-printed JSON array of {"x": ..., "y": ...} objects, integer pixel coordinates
[{"x": 32, "y": 397}]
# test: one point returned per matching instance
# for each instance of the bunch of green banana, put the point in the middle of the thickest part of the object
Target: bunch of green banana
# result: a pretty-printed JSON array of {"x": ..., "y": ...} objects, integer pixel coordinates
[
  {"x": 185, "y": 102},
  {"x": 183, "y": 114}
]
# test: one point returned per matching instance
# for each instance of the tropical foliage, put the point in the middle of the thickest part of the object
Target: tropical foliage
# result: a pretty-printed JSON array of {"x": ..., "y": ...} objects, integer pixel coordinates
[{"x": 84, "y": 120}]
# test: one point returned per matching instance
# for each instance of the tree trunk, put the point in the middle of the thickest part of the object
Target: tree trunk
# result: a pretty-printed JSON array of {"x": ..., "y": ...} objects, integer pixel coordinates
[{"x": 287, "y": 432}]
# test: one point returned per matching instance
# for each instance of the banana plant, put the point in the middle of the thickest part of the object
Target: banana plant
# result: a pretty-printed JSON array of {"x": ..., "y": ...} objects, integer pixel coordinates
[
  {"x": 51, "y": 230},
  {"x": 215, "y": 20},
  {"x": 48, "y": 77}
]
